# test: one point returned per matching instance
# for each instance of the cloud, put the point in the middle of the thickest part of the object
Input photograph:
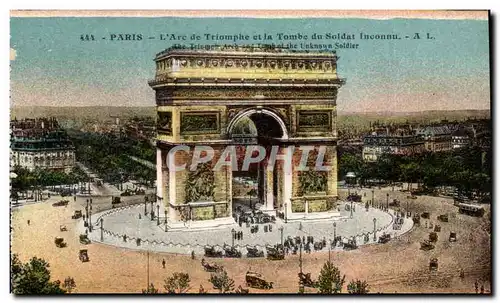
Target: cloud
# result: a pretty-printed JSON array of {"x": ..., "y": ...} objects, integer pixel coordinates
[{"x": 13, "y": 54}]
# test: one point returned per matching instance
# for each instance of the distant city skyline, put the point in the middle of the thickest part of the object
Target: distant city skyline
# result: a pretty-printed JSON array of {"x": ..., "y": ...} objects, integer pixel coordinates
[{"x": 51, "y": 66}]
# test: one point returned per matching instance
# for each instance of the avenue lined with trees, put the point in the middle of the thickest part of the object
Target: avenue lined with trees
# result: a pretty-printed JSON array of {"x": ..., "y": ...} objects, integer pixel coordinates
[{"x": 468, "y": 170}]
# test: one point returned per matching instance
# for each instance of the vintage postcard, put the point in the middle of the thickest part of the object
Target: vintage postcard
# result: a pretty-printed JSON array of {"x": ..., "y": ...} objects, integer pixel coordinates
[{"x": 250, "y": 152}]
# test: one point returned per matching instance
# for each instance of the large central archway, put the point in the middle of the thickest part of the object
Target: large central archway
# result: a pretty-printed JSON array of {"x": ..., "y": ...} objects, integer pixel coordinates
[{"x": 257, "y": 187}]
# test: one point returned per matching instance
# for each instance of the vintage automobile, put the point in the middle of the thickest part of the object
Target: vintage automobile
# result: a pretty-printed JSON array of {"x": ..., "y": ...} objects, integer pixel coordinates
[
  {"x": 354, "y": 198},
  {"x": 210, "y": 251},
  {"x": 274, "y": 253},
  {"x": 77, "y": 214},
  {"x": 350, "y": 244},
  {"x": 241, "y": 290},
  {"x": 425, "y": 215},
  {"x": 254, "y": 252},
  {"x": 433, "y": 237},
  {"x": 231, "y": 252},
  {"x": 115, "y": 200},
  {"x": 256, "y": 280},
  {"x": 443, "y": 218},
  {"x": 60, "y": 242},
  {"x": 426, "y": 245},
  {"x": 83, "y": 255},
  {"x": 63, "y": 228},
  {"x": 395, "y": 203},
  {"x": 61, "y": 203},
  {"x": 437, "y": 228},
  {"x": 433, "y": 264},
  {"x": 305, "y": 280},
  {"x": 453, "y": 237},
  {"x": 84, "y": 239},
  {"x": 211, "y": 267},
  {"x": 384, "y": 238}
]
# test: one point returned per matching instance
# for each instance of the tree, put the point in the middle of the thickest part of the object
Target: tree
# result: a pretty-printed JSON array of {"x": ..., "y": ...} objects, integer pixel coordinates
[
  {"x": 33, "y": 278},
  {"x": 177, "y": 283},
  {"x": 357, "y": 287},
  {"x": 222, "y": 282},
  {"x": 330, "y": 281},
  {"x": 151, "y": 290}
]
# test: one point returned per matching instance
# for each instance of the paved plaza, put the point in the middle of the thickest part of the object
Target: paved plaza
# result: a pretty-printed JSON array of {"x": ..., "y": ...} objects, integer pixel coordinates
[{"x": 132, "y": 222}]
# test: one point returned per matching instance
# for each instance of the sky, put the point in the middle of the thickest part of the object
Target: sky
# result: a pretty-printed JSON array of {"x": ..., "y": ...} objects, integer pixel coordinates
[{"x": 51, "y": 66}]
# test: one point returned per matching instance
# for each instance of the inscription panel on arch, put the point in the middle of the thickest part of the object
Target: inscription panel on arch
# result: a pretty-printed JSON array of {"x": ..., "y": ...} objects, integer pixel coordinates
[
  {"x": 200, "y": 123},
  {"x": 314, "y": 120}
]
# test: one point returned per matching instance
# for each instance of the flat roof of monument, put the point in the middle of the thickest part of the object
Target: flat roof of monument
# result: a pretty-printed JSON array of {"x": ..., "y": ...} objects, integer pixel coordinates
[{"x": 249, "y": 50}]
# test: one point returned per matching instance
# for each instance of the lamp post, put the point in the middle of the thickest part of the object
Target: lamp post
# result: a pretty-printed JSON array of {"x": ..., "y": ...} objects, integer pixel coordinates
[
  {"x": 166, "y": 227},
  {"x": 233, "y": 232},
  {"x": 102, "y": 230},
  {"x": 351, "y": 209},
  {"x": 334, "y": 231},
  {"x": 145, "y": 206},
  {"x": 87, "y": 215},
  {"x": 281, "y": 230},
  {"x": 286, "y": 207},
  {"x": 152, "y": 211},
  {"x": 374, "y": 229},
  {"x": 387, "y": 206},
  {"x": 90, "y": 216},
  {"x": 373, "y": 197},
  {"x": 157, "y": 214}
]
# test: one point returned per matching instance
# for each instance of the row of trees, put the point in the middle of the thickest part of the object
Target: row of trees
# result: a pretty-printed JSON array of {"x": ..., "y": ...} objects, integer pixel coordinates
[
  {"x": 468, "y": 170},
  {"x": 108, "y": 155},
  {"x": 27, "y": 179}
]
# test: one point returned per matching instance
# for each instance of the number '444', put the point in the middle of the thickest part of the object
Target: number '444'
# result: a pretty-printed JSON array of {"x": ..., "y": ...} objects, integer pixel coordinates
[{"x": 87, "y": 38}]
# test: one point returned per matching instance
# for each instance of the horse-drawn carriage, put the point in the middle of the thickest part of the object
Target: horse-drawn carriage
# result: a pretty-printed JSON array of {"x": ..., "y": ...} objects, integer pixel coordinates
[
  {"x": 384, "y": 238},
  {"x": 306, "y": 281},
  {"x": 275, "y": 253},
  {"x": 425, "y": 215},
  {"x": 426, "y": 245},
  {"x": 256, "y": 280},
  {"x": 443, "y": 218},
  {"x": 211, "y": 251},
  {"x": 319, "y": 245},
  {"x": 437, "y": 228},
  {"x": 350, "y": 244},
  {"x": 83, "y": 255},
  {"x": 84, "y": 239},
  {"x": 433, "y": 237},
  {"x": 77, "y": 214},
  {"x": 60, "y": 242},
  {"x": 211, "y": 267},
  {"x": 231, "y": 252},
  {"x": 254, "y": 252},
  {"x": 453, "y": 237},
  {"x": 416, "y": 219}
]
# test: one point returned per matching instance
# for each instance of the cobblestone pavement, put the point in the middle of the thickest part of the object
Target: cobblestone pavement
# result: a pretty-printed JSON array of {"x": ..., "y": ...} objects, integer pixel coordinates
[{"x": 126, "y": 221}]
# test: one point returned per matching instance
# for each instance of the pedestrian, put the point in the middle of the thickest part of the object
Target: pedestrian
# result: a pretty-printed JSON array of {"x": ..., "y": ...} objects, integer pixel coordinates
[
  {"x": 476, "y": 285},
  {"x": 74, "y": 198},
  {"x": 29, "y": 222},
  {"x": 163, "y": 263},
  {"x": 140, "y": 216},
  {"x": 482, "y": 289}
]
